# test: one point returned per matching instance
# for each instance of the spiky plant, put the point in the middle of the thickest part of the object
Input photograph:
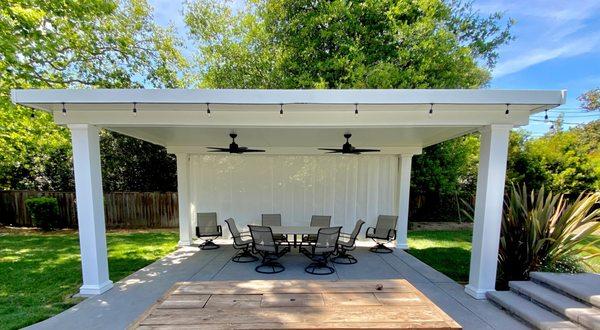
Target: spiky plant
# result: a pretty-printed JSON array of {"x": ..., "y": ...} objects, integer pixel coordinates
[{"x": 541, "y": 230}]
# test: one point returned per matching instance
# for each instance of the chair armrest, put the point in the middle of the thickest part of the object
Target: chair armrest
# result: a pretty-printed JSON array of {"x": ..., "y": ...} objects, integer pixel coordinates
[
  {"x": 372, "y": 231},
  {"x": 197, "y": 231},
  {"x": 220, "y": 230},
  {"x": 392, "y": 234}
]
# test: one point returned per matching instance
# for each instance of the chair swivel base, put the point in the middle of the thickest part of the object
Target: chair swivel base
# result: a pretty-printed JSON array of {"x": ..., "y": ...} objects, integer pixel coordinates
[
  {"x": 244, "y": 256},
  {"x": 208, "y": 245},
  {"x": 269, "y": 267},
  {"x": 344, "y": 258},
  {"x": 381, "y": 248},
  {"x": 319, "y": 268}
]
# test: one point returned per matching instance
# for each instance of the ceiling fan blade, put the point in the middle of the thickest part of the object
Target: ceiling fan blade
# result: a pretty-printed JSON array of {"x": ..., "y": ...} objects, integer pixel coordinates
[
  {"x": 252, "y": 150},
  {"x": 334, "y": 152},
  {"x": 218, "y": 149},
  {"x": 331, "y": 149},
  {"x": 367, "y": 150}
]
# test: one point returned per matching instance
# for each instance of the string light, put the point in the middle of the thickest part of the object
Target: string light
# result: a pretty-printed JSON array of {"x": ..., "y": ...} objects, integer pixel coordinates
[
  {"x": 281, "y": 110},
  {"x": 64, "y": 110},
  {"x": 32, "y": 114},
  {"x": 135, "y": 108},
  {"x": 430, "y": 109},
  {"x": 208, "y": 109},
  {"x": 507, "y": 110},
  {"x": 355, "y": 109},
  {"x": 546, "y": 115}
]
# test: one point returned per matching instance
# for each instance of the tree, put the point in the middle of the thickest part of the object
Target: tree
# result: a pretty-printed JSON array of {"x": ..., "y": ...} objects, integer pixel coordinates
[
  {"x": 345, "y": 44},
  {"x": 444, "y": 174},
  {"x": 78, "y": 44},
  {"x": 590, "y": 100},
  {"x": 563, "y": 161},
  {"x": 129, "y": 164}
]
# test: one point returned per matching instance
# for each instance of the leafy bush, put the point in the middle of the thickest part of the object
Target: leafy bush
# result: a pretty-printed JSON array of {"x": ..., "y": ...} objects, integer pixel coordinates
[
  {"x": 543, "y": 231},
  {"x": 44, "y": 212}
]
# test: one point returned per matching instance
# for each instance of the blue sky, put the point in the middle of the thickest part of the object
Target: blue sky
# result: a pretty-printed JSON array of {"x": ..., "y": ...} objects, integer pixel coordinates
[{"x": 557, "y": 46}]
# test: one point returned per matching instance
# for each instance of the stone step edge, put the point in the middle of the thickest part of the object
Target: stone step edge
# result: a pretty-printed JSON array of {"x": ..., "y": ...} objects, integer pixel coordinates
[
  {"x": 526, "y": 295},
  {"x": 561, "y": 291},
  {"x": 492, "y": 299}
]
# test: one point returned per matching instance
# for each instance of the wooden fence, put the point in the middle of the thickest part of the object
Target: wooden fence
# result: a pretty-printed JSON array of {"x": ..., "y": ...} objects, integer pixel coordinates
[{"x": 121, "y": 209}]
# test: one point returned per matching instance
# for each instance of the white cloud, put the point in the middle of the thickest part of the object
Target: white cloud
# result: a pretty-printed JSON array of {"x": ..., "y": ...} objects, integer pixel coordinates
[
  {"x": 545, "y": 30},
  {"x": 535, "y": 56}
]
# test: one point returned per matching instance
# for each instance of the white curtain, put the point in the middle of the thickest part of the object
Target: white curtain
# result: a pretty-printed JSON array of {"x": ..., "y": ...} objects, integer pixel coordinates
[{"x": 245, "y": 186}]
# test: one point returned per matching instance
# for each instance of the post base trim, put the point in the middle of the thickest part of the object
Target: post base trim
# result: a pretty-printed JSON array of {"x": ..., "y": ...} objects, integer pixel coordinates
[
  {"x": 88, "y": 290},
  {"x": 402, "y": 246},
  {"x": 475, "y": 292},
  {"x": 184, "y": 243}
]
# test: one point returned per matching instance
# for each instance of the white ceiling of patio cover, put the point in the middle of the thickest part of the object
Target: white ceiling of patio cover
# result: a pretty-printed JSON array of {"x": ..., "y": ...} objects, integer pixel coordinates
[{"x": 313, "y": 118}]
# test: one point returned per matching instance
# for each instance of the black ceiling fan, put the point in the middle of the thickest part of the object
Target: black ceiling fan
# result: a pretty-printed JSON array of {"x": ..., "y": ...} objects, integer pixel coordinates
[
  {"x": 234, "y": 148},
  {"x": 347, "y": 148}
]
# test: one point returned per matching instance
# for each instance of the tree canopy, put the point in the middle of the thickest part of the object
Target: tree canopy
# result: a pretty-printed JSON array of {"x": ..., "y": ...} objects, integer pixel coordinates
[
  {"x": 60, "y": 44},
  {"x": 344, "y": 44}
]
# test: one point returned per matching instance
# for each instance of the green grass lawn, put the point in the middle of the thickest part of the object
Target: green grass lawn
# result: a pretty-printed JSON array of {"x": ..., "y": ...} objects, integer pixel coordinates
[
  {"x": 450, "y": 251},
  {"x": 40, "y": 272}
]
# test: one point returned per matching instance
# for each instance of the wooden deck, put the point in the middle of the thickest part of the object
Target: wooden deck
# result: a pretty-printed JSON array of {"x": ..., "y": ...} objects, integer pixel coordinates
[{"x": 295, "y": 304}]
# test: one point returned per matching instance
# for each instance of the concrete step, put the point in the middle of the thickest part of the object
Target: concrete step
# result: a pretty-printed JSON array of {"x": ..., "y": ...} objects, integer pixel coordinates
[
  {"x": 572, "y": 309},
  {"x": 529, "y": 312},
  {"x": 585, "y": 286}
]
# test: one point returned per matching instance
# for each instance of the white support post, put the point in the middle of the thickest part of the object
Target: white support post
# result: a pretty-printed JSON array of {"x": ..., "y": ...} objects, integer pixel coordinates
[
  {"x": 90, "y": 209},
  {"x": 183, "y": 197},
  {"x": 488, "y": 209},
  {"x": 404, "y": 167}
]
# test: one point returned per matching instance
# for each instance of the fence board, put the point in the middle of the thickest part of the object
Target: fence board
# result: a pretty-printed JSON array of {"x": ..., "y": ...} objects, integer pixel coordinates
[{"x": 121, "y": 209}]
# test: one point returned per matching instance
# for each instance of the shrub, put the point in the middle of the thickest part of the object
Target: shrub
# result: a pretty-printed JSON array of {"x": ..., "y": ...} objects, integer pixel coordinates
[
  {"x": 543, "y": 231},
  {"x": 44, "y": 212}
]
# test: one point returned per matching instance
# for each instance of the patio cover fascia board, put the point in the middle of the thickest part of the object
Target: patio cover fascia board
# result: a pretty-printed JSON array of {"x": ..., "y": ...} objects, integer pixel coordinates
[
  {"x": 164, "y": 113},
  {"x": 37, "y": 97}
]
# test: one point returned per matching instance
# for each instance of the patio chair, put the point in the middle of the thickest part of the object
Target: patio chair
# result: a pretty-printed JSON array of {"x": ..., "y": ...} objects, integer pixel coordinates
[
  {"x": 241, "y": 241},
  {"x": 384, "y": 232},
  {"x": 264, "y": 244},
  {"x": 321, "y": 221},
  {"x": 270, "y": 220},
  {"x": 347, "y": 242},
  {"x": 208, "y": 230},
  {"x": 321, "y": 250}
]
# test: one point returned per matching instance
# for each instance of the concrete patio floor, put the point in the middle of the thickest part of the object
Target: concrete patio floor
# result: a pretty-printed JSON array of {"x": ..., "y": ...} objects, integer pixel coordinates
[{"x": 130, "y": 297}]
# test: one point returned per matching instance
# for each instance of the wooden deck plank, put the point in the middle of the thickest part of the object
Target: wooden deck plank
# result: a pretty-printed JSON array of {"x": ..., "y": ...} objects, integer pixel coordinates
[
  {"x": 385, "y": 304},
  {"x": 323, "y": 325},
  {"x": 292, "y": 300},
  {"x": 292, "y": 286},
  {"x": 184, "y": 301}
]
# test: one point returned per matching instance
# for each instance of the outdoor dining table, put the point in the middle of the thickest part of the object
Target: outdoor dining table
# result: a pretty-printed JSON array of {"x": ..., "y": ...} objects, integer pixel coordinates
[{"x": 295, "y": 231}]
